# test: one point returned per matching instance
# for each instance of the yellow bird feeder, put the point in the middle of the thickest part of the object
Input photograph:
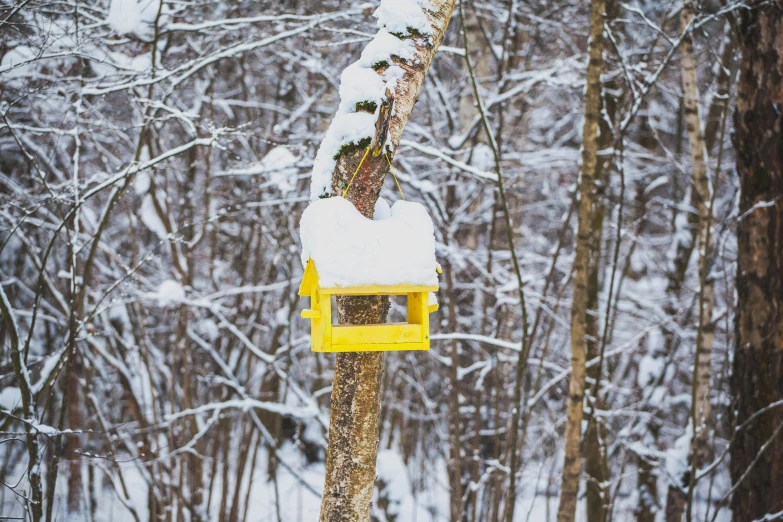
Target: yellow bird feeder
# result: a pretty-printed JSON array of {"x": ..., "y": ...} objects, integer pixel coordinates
[{"x": 327, "y": 337}]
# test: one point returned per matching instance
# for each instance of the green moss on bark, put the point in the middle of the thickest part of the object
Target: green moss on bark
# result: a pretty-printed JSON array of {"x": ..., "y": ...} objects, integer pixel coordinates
[
  {"x": 366, "y": 106},
  {"x": 410, "y": 33},
  {"x": 350, "y": 148}
]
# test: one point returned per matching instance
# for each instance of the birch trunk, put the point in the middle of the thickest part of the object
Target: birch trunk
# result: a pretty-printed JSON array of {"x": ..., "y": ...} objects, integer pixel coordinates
[
  {"x": 701, "y": 198},
  {"x": 356, "y": 393},
  {"x": 576, "y": 389},
  {"x": 757, "y": 375},
  {"x": 702, "y": 193},
  {"x": 719, "y": 102}
]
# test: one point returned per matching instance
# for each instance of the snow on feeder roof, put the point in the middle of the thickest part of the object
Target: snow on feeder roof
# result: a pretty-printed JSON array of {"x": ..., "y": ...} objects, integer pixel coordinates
[
  {"x": 351, "y": 250},
  {"x": 345, "y": 253}
]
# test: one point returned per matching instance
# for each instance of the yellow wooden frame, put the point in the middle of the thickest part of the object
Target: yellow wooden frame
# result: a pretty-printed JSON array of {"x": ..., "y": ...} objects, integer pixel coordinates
[{"x": 326, "y": 337}]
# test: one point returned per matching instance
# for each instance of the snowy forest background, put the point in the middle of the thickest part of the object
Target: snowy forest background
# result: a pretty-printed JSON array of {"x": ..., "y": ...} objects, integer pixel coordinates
[{"x": 155, "y": 159}]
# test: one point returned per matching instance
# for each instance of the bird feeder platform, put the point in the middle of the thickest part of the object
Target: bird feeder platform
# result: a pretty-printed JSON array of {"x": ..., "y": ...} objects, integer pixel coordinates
[{"x": 328, "y": 337}]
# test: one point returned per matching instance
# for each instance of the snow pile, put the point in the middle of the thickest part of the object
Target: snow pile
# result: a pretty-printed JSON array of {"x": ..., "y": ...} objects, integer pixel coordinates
[
  {"x": 350, "y": 250},
  {"x": 345, "y": 128},
  {"x": 364, "y": 83},
  {"x": 383, "y": 47},
  {"x": 151, "y": 219},
  {"x": 10, "y": 398},
  {"x": 209, "y": 329},
  {"x": 393, "y": 484},
  {"x": 170, "y": 292},
  {"x": 482, "y": 158},
  {"x": 677, "y": 457},
  {"x": 134, "y": 17},
  {"x": 400, "y": 16},
  {"x": 46, "y": 57},
  {"x": 359, "y": 83},
  {"x": 11, "y": 66},
  {"x": 650, "y": 370},
  {"x": 382, "y": 210},
  {"x": 281, "y": 165},
  {"x": 142, "y": 183}
]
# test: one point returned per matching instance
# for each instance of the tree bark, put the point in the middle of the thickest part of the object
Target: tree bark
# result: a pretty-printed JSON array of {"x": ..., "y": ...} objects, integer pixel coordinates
[
  {"x": 596, "y": 458},
  {"x": 576, "y": 389},
  {"x": 596, "y": 462},
  {"x": 702, "y": 193},
  {"x": 757, "y": 374},
  {"x": 455, "y": 460},
  {"x": 356, "y": 393},
  {"x": 73, "y": 443},
  {"x": 35, "y": 498},
  {"x": 719, "y": 102},
  {"x": 701, "y": 198}
]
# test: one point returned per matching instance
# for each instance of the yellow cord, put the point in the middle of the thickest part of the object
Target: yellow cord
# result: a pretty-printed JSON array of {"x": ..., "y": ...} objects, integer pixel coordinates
[
  {"x": 355, "y": 172},
  {"x": 360, "y": 166},
  {"x": 395, "y": 177}
]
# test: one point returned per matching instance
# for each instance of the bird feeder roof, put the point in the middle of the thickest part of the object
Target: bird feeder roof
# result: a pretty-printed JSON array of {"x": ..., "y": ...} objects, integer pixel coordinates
[{"x": 342, "y": 249}]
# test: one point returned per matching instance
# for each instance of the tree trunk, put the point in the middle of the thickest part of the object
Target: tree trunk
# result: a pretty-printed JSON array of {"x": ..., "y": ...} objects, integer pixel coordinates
[
  {"x": 455, "y": 442},
  {"x": 595, "y": 448},
  {"x": 757, "y": 376},
  {"x": 701, "y": 198},
  {"x": 702, "y": 193},
  {"x": 572, "y": 462},
  {"x": 34, "y": 501},
  {"x": 355, "y": 405},
  {"x": 596, "y": 464},
  {"x": 73, "y": 442},
  {"x": 596, "y": 458}
]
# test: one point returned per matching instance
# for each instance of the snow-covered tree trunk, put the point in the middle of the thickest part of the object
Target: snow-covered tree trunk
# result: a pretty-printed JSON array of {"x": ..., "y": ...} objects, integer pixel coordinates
[
  {"x": 576, "y": 389},
  {"x": 757, "y": 376},
  {"x": 377, "y": 96}
]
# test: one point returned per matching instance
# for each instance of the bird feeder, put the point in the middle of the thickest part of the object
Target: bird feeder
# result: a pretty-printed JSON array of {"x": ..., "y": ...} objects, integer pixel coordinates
[
  {"x": 345, "y": 253},
  {"x": 328, "y": 337}
]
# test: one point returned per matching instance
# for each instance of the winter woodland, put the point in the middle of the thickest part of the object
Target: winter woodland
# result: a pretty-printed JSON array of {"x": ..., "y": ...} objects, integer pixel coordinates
[{"x": 589, "y": 176}]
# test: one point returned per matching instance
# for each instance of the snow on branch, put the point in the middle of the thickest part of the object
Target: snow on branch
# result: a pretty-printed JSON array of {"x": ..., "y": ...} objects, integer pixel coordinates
[{"x": 370, "y": 81}]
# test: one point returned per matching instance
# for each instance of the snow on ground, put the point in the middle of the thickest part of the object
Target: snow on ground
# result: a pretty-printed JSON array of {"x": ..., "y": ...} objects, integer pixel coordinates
[
  {"x": 350, "y": 250},
  {"x": 537, "y": 497}
]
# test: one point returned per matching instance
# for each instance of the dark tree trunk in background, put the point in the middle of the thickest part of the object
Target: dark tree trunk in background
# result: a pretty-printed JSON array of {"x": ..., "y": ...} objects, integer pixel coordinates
[
  {"x": 75, "y": 406},
  {"x": 757, "y": 377}
]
